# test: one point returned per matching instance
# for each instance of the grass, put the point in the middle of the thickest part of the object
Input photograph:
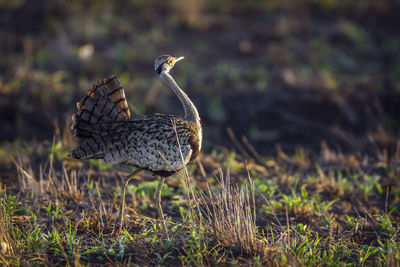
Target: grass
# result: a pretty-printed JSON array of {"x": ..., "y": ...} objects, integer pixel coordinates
[{"x": 298, "y": 209}]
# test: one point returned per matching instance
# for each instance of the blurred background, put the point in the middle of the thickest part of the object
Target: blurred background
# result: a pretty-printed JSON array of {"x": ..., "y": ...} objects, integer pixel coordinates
[{"x": 293, "y": 73}]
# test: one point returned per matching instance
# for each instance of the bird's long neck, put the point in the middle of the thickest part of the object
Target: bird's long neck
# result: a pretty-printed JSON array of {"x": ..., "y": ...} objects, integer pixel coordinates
[{"x": 191, "y": 113}]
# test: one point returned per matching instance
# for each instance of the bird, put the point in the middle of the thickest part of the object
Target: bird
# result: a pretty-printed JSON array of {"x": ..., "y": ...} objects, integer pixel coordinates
[{"x": 161, "y": 144}]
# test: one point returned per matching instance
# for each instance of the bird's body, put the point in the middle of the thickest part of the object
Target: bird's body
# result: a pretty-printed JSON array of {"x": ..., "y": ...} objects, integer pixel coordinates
[
  {"x": 162, "y": 144},
  {"x": 146, "y": 142}
]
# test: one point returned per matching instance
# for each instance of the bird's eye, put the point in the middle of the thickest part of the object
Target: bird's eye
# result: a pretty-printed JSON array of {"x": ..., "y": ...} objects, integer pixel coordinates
[{"x": 170, "y": 62}]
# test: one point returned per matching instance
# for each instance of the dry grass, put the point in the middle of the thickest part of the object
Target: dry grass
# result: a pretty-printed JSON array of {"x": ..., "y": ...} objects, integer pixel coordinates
[
  {"x": 290, "y": 210},
  {"x": 229, "y": 215},
  {"x": 7, "y": 234}
]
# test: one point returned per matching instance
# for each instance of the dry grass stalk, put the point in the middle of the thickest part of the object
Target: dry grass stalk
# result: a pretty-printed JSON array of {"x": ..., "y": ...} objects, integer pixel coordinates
[
  {"x": 49, "y": 181},
  {"x": 229, "y": 215},
  {"x": 7, "y": 238}
]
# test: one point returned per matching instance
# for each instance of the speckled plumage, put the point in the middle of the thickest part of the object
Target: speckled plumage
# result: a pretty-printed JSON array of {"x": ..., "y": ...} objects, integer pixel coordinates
[{"x": 105, "y": 130}]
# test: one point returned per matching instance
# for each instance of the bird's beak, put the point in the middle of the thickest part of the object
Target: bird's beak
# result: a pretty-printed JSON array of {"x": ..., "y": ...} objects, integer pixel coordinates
[{"x": 178, "y": 59}]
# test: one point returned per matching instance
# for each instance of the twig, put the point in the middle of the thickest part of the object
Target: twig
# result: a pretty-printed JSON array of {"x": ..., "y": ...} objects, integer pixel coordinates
[{"x": 237, "y": 143}]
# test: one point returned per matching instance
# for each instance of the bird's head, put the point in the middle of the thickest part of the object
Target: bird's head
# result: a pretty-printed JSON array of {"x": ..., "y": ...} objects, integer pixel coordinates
[{"x": 165, "y": 63}]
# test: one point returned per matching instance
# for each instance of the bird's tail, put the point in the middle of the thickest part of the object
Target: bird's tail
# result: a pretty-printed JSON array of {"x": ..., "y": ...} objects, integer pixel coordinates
[{"x": 104, "y": 103}]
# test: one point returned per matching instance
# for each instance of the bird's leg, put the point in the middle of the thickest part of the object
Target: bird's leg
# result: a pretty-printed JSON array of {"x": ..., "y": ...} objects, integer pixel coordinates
[
  {"x": 157, "y": 197},
  {"x": 123, "y": 190}
]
